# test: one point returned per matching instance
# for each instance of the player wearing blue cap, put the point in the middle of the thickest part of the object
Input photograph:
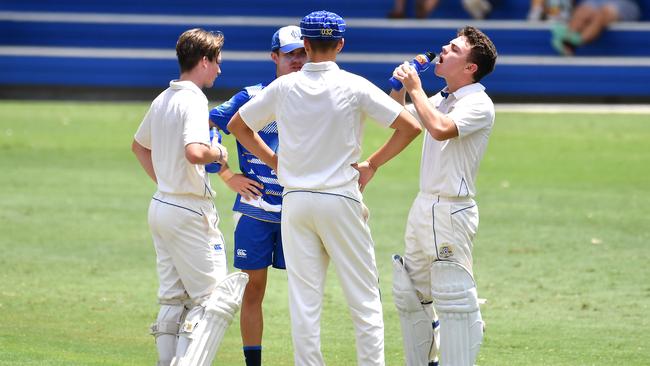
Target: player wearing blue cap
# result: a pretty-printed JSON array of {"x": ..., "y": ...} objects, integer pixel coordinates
[
  {"x": 198, "y": 300},
  {"x": 320, "y": 112},
  {"x": 436, "y": 273},
  {"x": 258, "y": 239}
]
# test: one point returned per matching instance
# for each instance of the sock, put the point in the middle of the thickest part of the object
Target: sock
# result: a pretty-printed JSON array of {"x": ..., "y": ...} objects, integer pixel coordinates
[{"x": 253, "y": 355}]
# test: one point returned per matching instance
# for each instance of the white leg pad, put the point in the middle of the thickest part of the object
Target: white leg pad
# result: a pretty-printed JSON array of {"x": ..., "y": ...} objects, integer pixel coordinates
[
  {"x": 200, "y": 338},
  {"x": 419, "y": 327},
  {"x": 165, "y": 330},
  {"x": 456, "y": 302}
]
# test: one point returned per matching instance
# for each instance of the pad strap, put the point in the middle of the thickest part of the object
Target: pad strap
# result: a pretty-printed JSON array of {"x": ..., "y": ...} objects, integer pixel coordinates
[
  {"x": 186, "y": 301},
  {"x": 159, "y": 328}
]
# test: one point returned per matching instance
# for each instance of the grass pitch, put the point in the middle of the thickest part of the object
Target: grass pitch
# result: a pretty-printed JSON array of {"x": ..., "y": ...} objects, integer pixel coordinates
[{"x": 562, "y": 252}]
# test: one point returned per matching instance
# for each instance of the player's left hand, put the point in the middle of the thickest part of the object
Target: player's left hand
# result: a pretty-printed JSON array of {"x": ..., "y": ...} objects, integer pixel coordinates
[
  {"x": 246, "y": 187},
  {"x": 366, "y": 172}
]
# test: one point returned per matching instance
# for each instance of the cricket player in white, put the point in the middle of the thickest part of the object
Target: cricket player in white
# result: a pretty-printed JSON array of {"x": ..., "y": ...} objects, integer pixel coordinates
[
  {"x": 437, "y": 265},
  {"x": 320, "y": 112},
  {"x": 197, "y": 298}
]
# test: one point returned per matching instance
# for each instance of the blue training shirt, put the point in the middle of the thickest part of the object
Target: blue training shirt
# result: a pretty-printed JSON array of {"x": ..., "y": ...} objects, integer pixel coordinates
[{"x": 249, "y": 164}]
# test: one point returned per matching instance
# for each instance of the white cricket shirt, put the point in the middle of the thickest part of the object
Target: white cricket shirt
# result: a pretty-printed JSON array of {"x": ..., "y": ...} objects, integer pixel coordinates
[
  {"x": 320, "y": 112},
  {"x": 176, "y": 118},
  {"x": 448, "y": 168}
]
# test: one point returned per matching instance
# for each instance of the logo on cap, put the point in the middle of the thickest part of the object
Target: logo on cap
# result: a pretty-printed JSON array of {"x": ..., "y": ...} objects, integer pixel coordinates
[{"x": 286, "y": 39}]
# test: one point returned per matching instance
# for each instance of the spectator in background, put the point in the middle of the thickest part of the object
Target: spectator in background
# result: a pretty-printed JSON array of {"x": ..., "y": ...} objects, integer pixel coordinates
[
  {"x": 477, "y": 9},
  {"x": 553, "y": 10},
  {"x": 589, "y": 20}
]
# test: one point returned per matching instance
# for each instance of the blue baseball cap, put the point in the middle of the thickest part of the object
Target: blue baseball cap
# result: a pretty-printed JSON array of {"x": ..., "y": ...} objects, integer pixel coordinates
[
  {"x": 287, "y": 39},
  {"x": 323, "y": 25}
]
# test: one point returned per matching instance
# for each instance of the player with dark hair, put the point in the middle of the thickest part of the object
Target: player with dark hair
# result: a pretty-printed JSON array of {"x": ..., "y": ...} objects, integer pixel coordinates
[
  {"x": 258, "y": 239},
  {"x": 320, "y": 112},
  {"x": 435, "y": 277},
  {"x": 197, "y": 298}
]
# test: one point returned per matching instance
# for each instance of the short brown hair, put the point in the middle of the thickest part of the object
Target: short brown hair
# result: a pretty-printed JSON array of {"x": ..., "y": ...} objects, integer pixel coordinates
[
  {"x": 322, "y": 45},
  {"x": 483, "y": 52},
  {"x": 196, "y": 43}
]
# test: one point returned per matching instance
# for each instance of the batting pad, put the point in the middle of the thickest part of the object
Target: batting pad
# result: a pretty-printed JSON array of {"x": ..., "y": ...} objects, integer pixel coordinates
[
  {"x": 419, "y": 330},
  {"x": 219, "y": 311},
  {"x": 456, "y": 302},
  {"x": 165, "y": 329}
]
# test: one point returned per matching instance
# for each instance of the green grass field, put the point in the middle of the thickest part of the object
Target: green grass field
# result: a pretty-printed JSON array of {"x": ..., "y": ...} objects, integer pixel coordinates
[{"x": 562, "y": 252}]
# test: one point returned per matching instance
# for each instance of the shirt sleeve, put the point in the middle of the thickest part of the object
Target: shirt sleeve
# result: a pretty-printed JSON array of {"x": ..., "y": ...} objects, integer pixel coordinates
[
  {"x": 196, "y": 128},
  {"x": 143, "y": 134},
  {"x": 377, "y": 104},
  {"x": 471, "y": 115},
  {"x": 222, "y": 114},
  {"x": 260, "y": 111}
]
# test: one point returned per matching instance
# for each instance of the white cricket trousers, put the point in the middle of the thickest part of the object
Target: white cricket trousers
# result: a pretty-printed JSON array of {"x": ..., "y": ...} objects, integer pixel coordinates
[
  {"x": 190, "y": 250},
  {"x": 317, "y": 227},
  {"x": 438, "y": 228}
]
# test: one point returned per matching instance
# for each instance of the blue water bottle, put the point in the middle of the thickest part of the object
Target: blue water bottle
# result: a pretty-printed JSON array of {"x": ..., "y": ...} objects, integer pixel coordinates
[
  {"x": 214, "y": 167},
  {"x": 420, "y": 63}
]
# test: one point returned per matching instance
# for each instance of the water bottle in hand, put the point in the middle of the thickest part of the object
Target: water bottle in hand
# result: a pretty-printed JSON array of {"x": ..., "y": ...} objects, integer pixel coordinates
[
  {"x": 420, "y": 63},
  {"x": 214, "y": 167}
]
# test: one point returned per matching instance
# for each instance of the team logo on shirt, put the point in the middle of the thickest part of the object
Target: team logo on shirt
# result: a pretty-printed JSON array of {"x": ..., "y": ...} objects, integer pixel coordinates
[
  {"x": 218, "y": 247},
  {"x": 241, "y": 253},
  {"x": 446, "y": 251}
]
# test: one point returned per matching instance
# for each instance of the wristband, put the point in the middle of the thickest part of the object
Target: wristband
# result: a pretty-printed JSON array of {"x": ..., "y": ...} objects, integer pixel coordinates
[{"x": 226, "y": 175}]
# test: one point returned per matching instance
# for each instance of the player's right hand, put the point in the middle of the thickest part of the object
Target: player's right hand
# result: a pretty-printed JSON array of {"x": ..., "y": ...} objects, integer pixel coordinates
[{"x": 246, "y": 187}]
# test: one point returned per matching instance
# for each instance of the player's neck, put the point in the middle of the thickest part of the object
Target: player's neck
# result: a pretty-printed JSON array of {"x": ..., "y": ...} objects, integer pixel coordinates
[
  {"x": 193, "y": 77},
  {"x": 323, "y": 56},
  {"x": 453, "y": 85}
]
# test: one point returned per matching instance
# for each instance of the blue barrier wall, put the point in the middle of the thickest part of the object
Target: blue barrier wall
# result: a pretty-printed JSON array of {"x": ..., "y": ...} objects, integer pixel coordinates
[
  {"x": 131, "y": 44},
  {"x": 514, "y": 40}
]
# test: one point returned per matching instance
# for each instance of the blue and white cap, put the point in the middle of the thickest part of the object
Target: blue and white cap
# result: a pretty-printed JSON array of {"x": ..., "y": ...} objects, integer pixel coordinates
[
  {"x": 323, "y": 25},
  {"x": 287, "y": 39}
]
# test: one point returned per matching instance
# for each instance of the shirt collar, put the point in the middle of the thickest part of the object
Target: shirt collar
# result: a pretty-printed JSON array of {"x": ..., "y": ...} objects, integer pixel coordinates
[
  {"x": 186, "y": 85},
  {"x": 465, "y": 90},
  {"x": 320, "y": 66}
]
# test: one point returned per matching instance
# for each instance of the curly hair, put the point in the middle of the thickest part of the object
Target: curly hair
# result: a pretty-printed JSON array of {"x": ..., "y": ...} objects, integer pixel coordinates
[{"x": 483, "y": 52}]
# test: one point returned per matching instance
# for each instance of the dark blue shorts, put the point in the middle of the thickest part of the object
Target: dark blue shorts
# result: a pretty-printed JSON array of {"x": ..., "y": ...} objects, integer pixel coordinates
[{"x": 258, "y": 244}]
